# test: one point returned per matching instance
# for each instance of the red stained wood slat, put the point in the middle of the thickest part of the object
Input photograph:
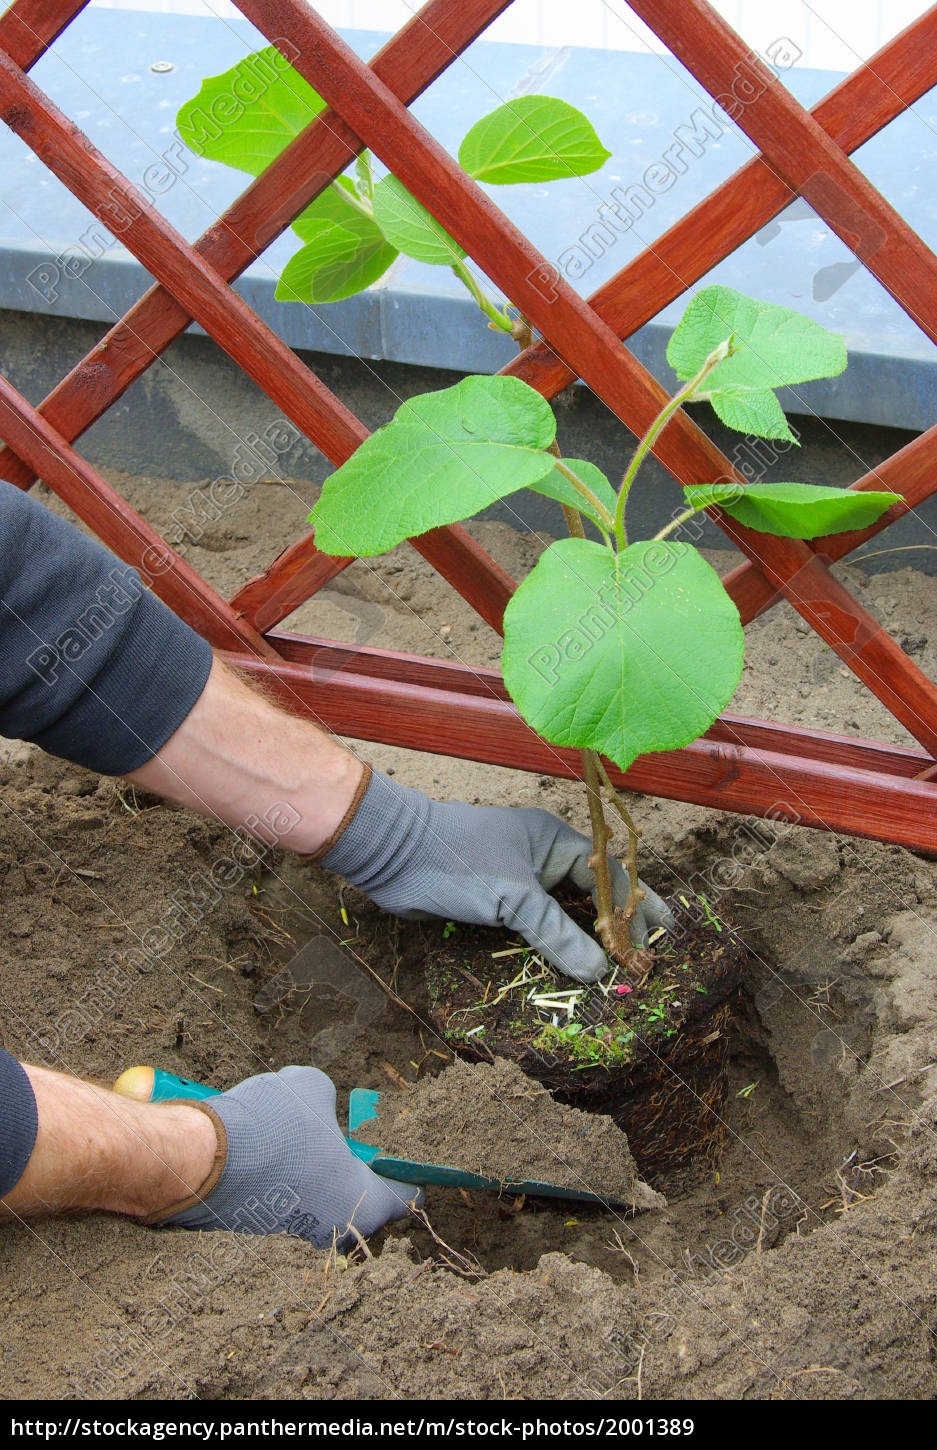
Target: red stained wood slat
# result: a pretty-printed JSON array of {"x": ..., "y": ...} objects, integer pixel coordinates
[
  {"x": 297, "y": 574},
  {"x": 412, "y": 58},
  {"x": 713, "y": 773},
  {"x": 426, "y": 169},
  {"x": 887, "y": 83},
  {"x": 479, "y": 579},
  {"x": 29, "y": 27},
  {"x": 294, "y": 575},
  {"x": 122, "y": 528},
  {"x": 804, "y": 156},
  {"x": 328, "y": 657},
  {"x": 898, "y": 75},
  {"x": 801, "y": 742}
]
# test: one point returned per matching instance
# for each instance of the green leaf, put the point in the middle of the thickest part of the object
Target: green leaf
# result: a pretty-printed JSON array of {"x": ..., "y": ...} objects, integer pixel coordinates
[
  {"x": 345, "y": 252},
  {"x": 410, "y": 228},
  {"x": 336, "y": 206},
  {"x": 623, "y": 653},
  {"x": 535, "y": 138},
  {"x": 334, "y": 264},
  {"x": 772, "y": 346},
  {"x": 751, "y": 410},
  {"x": 560, "y": 488},
  {"x": 248, "y": 114},
  {"x": 443, "y": 457},
  {"x": 795, "y": 510}
]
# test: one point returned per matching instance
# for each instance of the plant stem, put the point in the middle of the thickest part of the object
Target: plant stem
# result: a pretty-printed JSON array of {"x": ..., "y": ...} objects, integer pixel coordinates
[
  {"x": 718, "y": 355},
  {"x": 356, "y": 202},
  {"x": 365, "y": 174},
  {"x": 598, "y": 861},
  {"x": 591, "y": 765},
  {"x": 681, "y": 518},
  {"x": 634, "y": 835},
  {"x": 497, "y": 319},
  {"x": 591, "y": 499},
  {"x": 572, "y": 516}
]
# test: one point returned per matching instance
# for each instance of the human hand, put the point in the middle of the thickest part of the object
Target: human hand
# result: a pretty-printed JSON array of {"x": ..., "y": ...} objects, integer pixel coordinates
[
  {"x": 284, "y": 1166},
  {"x": 491, "y": 865}
]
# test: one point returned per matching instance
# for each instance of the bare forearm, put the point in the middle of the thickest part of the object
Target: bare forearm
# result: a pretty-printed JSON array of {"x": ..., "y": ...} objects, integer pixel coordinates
[
  {"x": 96, "y": 1150},
  {"x": 240, "y": 758}
]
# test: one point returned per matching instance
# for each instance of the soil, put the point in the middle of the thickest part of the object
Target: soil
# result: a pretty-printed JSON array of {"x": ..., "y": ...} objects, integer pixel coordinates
[
  {"x": 518, "y": 1133},
  {"x": 650, "y": 1053},
  {"x": 803, "y": 1264}
]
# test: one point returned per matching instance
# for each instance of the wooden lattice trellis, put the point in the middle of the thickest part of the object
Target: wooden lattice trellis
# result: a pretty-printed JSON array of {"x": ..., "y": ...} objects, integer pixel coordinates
[{"x": 754, "y": 766}]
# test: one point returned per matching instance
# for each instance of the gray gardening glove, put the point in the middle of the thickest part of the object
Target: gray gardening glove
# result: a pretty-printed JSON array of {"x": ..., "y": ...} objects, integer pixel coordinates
[
  {"x": 283, "y": 1166},
  {"x": 491, "y": 865}
]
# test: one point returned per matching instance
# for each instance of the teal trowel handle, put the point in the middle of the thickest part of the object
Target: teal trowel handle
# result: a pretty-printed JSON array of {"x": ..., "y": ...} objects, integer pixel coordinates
[
  {"x": 152, "y": 1085},
  {"x": 166, "y": 1085}
]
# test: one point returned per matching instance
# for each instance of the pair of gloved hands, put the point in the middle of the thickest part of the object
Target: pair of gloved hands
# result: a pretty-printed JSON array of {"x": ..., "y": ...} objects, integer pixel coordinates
[{"x": 288, "y": 1168}]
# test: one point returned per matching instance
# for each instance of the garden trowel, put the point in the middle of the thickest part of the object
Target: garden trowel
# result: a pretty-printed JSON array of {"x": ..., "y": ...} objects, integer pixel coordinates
[{"x": 149, "y": 1084}]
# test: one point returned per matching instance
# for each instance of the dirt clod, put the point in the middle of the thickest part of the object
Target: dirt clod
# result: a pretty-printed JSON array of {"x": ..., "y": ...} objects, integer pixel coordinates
[
  {"x": 495, "y": 1121},
  {"x": 650, "y": 1054}
]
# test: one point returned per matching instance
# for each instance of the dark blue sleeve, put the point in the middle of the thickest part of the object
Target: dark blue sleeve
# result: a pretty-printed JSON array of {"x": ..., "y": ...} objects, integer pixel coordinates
[
  {"x": 18, "y": 1122},
  {"x": 93, "y": 666}
]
